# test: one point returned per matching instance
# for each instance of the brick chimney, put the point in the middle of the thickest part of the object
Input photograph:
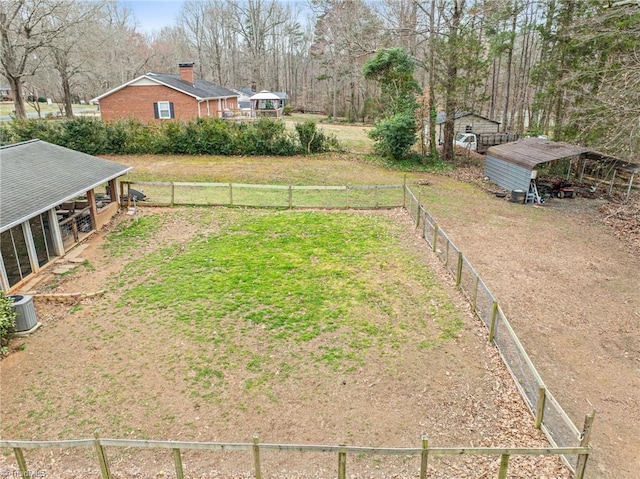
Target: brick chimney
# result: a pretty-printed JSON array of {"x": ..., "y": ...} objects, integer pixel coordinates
[{"x": 186, "y": 72}]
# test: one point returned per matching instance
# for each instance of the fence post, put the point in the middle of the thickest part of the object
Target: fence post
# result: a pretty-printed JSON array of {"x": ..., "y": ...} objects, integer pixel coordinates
[
  {"x": 230, "y": 194},
  {"x": 256, "y": 456},
  {"x": 542, "y": 398},
  {"x": 435, "y": 236},
  {"x": 342, "y": 463},
  {"x": 177, "y": 461},
  {"x": 494, "y": 317},
  {"x": 418, "y": 211},
  {"x": 102, "y": 458},
  {"x": 584, "y": 442},
  {"x": 446, "y": 254},
  {"x": 347, "y": 195},
  {"x": 424, "y": 459},
  {"x": 376, "y": 196},
  {"x": 290, "y": 196},
  {"x": 404, "y": 193},
  {"x": 173, "y": 193},
  {"x": 504, "y": 465},
  {"x": 475, "y": 294},
  {"x": 459, "y": 271},
  {"x": 22, "y": 464}
]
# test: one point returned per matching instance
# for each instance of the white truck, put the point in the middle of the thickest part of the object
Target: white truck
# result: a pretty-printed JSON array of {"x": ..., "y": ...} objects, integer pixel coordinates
[{"x": 481, "y": 142}]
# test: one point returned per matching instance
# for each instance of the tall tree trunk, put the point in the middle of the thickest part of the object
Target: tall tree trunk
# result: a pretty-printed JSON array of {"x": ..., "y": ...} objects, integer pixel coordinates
[
  {"x": 451, "y": 100},
  {"x": 18, "y": 99},
  {"x": 10, "y": 67},
  {"x": 433, "y": 112},
  {"x": 506, "y": 119}
]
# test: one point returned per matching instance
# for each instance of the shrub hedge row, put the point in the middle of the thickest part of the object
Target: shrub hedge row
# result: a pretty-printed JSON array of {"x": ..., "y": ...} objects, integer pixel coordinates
[{"x": 210, "y": 136}]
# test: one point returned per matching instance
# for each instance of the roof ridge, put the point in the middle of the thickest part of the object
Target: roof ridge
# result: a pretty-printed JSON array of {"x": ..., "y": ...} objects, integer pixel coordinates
[{"x": 19, "y": 143}]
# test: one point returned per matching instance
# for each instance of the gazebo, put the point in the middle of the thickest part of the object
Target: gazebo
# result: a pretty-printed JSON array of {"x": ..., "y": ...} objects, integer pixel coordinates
[{"x": 266, "y": 103}]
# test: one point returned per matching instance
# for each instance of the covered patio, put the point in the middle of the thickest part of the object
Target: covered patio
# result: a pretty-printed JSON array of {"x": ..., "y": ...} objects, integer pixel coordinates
[{"x": 51, "y": 198}]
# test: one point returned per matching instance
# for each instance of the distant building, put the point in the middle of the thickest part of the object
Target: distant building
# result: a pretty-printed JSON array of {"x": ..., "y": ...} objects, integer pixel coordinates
[
  {"x": 464, "y": 122},
  {"x": 166, "y": 96}
]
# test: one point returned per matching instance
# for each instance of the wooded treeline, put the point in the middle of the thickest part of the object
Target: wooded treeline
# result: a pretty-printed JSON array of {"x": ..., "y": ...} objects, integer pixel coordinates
[{"x": 569, "y": 68}]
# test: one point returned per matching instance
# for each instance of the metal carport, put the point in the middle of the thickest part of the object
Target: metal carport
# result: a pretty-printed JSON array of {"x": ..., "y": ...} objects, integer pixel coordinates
[{"x": 511, "y": 165}]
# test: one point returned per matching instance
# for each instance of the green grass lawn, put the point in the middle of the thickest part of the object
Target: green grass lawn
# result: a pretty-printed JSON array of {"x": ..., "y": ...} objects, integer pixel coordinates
[
  {"x": 7, "y": 108},
  {"x": 328, "y": 288},
  {"x": 352, "y": 137}
]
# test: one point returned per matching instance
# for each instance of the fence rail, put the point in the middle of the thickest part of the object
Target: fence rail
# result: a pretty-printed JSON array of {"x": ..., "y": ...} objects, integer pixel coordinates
[
  {"x": 172, "y": 193},
  {"x": 341, "y": 453},
  {"x": 567, "y": 441}
]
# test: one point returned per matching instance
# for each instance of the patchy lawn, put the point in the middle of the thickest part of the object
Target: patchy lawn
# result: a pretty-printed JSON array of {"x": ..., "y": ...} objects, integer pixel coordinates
[{"x": 306, "y": 327}]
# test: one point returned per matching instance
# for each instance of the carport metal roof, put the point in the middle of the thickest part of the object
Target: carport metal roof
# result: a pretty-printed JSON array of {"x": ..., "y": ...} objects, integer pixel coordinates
[{"x": 530, "y": 152}]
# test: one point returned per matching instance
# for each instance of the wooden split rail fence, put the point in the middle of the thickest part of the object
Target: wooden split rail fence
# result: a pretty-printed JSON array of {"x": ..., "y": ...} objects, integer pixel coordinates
[
  {"x": 571, "y": 444},
  {"x": 340, "y": 453}
]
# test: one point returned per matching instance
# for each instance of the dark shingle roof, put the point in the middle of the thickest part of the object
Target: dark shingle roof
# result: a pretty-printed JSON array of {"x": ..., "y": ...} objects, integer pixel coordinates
[
  {"x": 201, "y": 89},
  {"x": 35, "y": 176}
]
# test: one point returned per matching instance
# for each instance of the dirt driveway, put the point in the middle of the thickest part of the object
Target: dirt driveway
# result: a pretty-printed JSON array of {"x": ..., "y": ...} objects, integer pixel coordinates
[{"x": 571, "y": 290}]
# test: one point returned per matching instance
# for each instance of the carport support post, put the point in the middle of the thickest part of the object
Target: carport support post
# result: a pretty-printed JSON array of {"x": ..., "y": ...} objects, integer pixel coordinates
[
  {"x": 494, "y": 317},
  {"x": 613, "y": 178},
  {"x": 630, "y": 184},
  {"x": 584, "y": 442}
]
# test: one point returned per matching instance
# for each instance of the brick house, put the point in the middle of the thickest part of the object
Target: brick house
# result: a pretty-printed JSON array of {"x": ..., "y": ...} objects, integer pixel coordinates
[{"x": 165, "y": 96}]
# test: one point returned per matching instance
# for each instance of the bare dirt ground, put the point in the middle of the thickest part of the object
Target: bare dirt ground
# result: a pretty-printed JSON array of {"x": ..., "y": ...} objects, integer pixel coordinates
[
  {"x": 567, "y": 275},
  {"x": 77, "y": 374}
]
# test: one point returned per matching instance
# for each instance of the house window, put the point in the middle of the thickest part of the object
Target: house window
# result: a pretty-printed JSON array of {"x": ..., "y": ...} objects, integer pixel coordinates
[{"x": 163, "y": 110}]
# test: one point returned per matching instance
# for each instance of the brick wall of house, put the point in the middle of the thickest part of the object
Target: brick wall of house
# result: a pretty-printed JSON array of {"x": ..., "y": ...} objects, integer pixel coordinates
[{"x": 137, "y": 102}]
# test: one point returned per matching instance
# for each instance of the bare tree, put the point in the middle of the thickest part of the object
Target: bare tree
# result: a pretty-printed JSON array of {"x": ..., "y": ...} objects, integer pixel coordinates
[{"x": 25, "y": 32}]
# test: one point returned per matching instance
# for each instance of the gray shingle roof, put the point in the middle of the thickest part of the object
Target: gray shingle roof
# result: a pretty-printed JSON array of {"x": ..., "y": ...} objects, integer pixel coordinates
[
  {"x": 35, "y": 176},
  {"x": 442, "y": 117},
  {"x": 201, "y": 89}
]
